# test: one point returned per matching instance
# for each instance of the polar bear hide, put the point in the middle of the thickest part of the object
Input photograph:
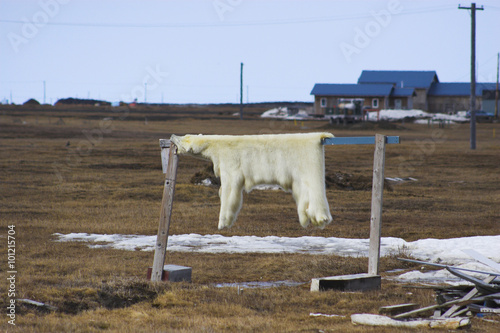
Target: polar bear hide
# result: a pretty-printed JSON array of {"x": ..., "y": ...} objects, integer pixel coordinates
[{"x": 293, "y": 161}]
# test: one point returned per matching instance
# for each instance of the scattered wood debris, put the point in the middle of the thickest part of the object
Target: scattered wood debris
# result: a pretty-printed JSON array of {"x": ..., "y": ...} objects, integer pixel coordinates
[
  {"x": 392, "y": 310},
  {"x": 455, "y": 304}
]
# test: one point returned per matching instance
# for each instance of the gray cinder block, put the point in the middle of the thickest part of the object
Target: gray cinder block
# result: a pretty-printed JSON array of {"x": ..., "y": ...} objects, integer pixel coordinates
[
  {"x": 173, "y": 273},
  {"x": 354, "y": 282}
]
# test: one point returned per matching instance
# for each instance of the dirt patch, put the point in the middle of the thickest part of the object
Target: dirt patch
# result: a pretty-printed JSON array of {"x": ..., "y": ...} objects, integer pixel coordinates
[
  {"x": 205, "y": 173},
  {"x": 110, "y": 295},
  {"x": 126, "y": 166},
  {"x": 350, "y": 182},
  {"x": 338, "y": 180},
  {"x": 122, "y": 294}
]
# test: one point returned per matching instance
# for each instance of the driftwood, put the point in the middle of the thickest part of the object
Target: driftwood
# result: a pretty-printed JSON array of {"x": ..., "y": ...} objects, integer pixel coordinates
[{"x": 378, "y": 320}]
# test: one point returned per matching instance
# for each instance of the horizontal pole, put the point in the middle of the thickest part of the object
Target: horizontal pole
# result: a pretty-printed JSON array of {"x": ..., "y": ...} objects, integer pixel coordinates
[
  {"x": 349, "y": 140},
  {"x": 360, "y": 140}
]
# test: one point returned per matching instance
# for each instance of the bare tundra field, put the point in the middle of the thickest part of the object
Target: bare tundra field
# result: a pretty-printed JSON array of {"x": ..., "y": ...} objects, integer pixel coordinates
[{"x": 98, "y": 170}]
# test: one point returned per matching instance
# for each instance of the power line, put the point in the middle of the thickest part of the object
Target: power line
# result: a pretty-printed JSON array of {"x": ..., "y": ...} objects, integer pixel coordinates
[{"x": 232, "y": 24}]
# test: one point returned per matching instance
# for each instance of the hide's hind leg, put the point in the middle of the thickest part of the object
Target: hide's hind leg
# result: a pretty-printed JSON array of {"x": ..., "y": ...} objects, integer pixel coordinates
[
  {"x": 302, "y": 201},
  {"x": 318, "y": 211},
  {"x": 231, "y": 198}
]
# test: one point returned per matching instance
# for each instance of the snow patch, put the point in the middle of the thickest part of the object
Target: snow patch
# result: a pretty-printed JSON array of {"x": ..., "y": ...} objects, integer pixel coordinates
[{"x": 443, "y": 251}]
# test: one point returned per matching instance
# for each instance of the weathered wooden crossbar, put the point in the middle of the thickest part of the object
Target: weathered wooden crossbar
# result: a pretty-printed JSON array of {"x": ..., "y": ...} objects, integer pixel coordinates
[
  {"x": 359, "y": 140},
  {"x": 169, "y": 165}
]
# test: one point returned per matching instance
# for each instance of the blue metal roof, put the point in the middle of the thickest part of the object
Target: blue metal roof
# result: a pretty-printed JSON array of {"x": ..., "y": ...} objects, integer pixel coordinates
[
  {"x": 458, "y": 88},
  {"x": 403, "y": 92},
  {"x": 413, "y": 79},
  {"x": 350, "y": 90}
]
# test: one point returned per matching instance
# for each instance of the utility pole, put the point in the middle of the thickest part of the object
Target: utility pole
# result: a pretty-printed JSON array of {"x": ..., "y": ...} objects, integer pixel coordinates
[
  {"x": 496, "y": 90},
  {"x": 472, "y": 73},
  {"x": 241, "y": 91}
]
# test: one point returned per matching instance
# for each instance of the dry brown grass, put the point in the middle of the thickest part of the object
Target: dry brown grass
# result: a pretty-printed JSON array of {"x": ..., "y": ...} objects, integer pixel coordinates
[{"x": 108, "y": 180}]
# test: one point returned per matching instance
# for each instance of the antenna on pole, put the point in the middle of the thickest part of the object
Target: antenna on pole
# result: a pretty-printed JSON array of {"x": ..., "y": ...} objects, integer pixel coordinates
[
  {"x": 241, "y": 91},
  {"x": 473, "y": 9},
  {"x": 496, "y": 90}
]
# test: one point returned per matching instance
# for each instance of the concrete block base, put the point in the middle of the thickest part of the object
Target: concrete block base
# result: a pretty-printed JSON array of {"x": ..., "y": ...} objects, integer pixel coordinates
[
  {"x": 354, "y": 282},
  {"x": 173, "y": 273}
]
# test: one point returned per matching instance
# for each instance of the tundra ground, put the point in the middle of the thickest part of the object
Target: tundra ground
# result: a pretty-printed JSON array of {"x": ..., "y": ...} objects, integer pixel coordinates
[{"x": 97, "y": 170}]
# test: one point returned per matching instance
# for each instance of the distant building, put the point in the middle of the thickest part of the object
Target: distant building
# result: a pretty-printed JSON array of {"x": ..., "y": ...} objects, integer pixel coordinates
[
  {"x": 31, "y": 102},
  {"x": 399, "y": 90},
  {"x": 489, "y": 101},
  {"x": 375, "y": 96},
  {"x": 449, "y": 97}
]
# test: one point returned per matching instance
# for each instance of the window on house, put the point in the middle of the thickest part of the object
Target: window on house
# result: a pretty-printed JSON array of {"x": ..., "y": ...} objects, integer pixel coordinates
[
  {"x": 322, "y": 102},
  {"x": 375, "y": 103}
]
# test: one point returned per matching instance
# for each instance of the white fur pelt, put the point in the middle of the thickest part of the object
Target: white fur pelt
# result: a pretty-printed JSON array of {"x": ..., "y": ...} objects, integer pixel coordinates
[{"x": 293, "y": 161}]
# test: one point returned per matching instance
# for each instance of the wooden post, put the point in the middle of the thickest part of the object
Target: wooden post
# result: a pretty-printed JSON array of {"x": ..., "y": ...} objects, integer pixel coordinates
[
  {"x": 377, "y": 196},
  {"x": 166, "y": 207}
]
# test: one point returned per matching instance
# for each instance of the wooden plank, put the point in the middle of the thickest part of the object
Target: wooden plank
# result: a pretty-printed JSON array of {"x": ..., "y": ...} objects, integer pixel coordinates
[
  {"x": 361, "y": 140},
  {"x": 485, "y": 288},
  {"x": 467, "y": 297},
  {"x": 482, "y": 259},
  {"x": 396, "y": 309},
  {"x": 165, "y": 214},
  {"x": 458, "y": 302},
  {"x": 376, "y": 210},
  {"x": 444, "y": 266}
]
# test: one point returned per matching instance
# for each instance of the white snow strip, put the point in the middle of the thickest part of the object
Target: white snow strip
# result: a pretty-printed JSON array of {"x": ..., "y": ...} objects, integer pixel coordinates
[
  {"x": 444, "y": 251},
  {"x": 420, "y": 116}
]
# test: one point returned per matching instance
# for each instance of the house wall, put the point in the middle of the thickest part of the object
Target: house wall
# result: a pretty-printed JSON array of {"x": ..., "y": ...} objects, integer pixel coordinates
[
  {"x": 420, "y": 100},
  {"x": 331, "y": 101},
  {"x": 451, "y": 104},
  {"x": 405, "y": 103},
  {"x": 489, "y": 105}
]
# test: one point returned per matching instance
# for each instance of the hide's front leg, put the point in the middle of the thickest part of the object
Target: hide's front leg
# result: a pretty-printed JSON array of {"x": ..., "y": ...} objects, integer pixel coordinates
[{"x": 231, "y": 199}]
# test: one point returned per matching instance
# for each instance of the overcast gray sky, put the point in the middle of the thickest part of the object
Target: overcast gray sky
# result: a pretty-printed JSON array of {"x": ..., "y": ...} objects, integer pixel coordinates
[{"x": 190, "y": 51}]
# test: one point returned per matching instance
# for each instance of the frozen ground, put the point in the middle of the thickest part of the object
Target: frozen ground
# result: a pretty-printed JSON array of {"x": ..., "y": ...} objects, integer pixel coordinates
[
  {"x": 443, "y": 251},
  {"x": 419, "y": 116}
]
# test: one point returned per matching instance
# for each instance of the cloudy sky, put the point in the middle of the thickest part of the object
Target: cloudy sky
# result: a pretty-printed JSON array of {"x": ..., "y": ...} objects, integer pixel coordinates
[{"x": 182, "y": 51}]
